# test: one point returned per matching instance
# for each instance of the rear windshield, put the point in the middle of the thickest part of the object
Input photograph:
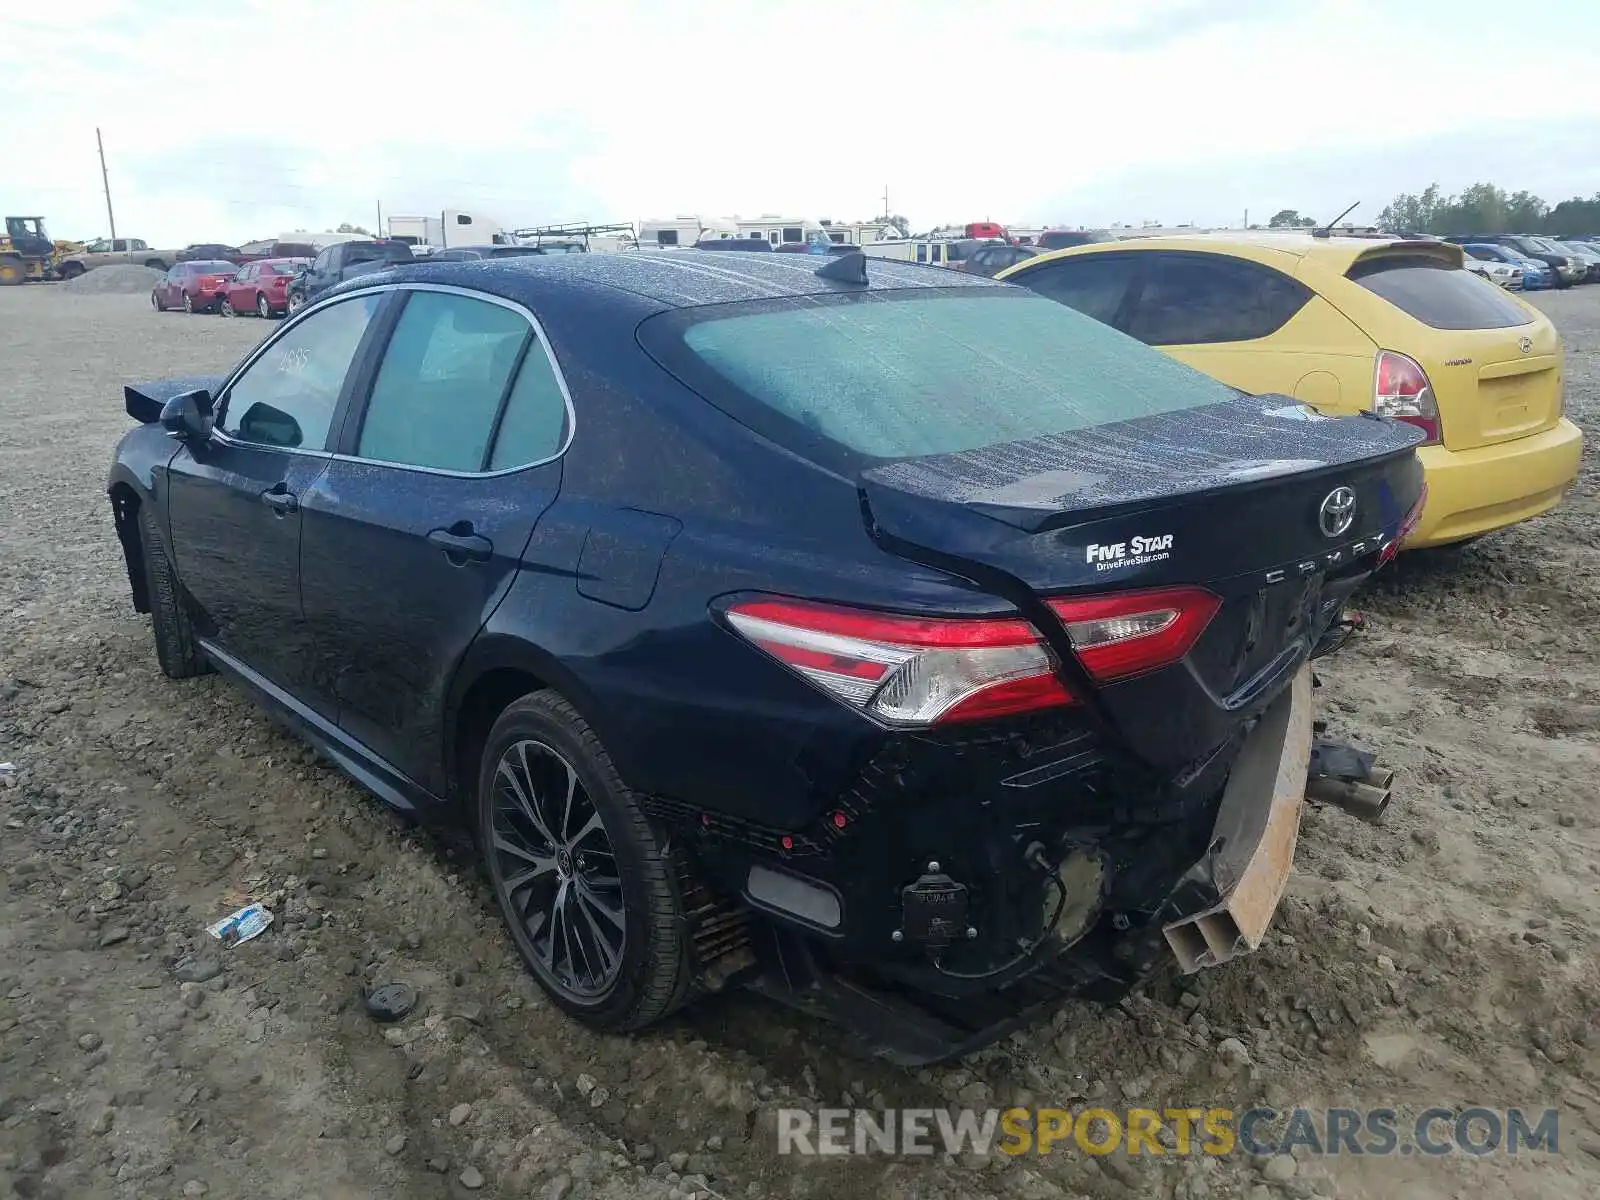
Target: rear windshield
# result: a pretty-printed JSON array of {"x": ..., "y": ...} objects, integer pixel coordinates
[
  {"x": 910, "y": 373},
  {"x": 213, "y": 267},
  {"x": 388, "y": 252},
  {"x": 279, "y": 268},
  {"x": 1438, "y": 295}
]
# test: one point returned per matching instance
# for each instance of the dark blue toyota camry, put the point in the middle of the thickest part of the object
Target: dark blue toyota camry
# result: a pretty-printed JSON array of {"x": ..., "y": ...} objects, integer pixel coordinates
[{"x": 902, "y": 644}]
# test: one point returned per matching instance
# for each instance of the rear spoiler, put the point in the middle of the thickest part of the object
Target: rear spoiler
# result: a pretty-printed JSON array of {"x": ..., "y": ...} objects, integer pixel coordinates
[
  {"x": 1446, "y": 252},
  {"x": 144, "y": 401}
]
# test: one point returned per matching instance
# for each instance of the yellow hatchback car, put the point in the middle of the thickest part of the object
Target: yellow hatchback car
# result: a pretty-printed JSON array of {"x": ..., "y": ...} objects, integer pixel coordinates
[{"x": 1346, "y": 324}]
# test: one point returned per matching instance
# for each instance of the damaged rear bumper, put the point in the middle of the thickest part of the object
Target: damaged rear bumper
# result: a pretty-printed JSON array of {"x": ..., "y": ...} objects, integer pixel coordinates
[{"x": 1215, "y": 910}]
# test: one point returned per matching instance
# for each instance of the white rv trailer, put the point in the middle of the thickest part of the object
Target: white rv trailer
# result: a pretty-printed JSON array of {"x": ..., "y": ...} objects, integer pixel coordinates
[
  {"x": 859, "y": 233},
  {"x": 661, "y": 232},
  {"x": 933, "y": 252},
  {"x": 783, "y": 230}
]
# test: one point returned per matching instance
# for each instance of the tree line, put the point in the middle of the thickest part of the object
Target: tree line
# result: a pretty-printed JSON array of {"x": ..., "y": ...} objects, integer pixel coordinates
[
  {"x": 1481, "y": 208},
  {"x": 1485, "y": 208}
]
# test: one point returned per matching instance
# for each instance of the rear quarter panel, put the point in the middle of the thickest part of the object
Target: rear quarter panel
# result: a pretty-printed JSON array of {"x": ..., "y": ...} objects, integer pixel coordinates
[{"x": 1320, "y": 357}]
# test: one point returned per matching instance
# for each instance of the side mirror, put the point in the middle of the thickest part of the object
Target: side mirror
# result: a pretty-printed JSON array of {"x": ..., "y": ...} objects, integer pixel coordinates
[{"x": 187, "y": 416}]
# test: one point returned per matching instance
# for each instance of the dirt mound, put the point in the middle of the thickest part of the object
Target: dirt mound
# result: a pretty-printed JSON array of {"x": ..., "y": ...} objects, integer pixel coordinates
[{"x": 126, "y": 279}]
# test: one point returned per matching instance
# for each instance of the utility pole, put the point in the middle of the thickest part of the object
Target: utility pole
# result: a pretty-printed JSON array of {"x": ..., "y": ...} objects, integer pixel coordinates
[
  {"x": 1247, "y": 218},
  {"x": 378, "y": 232},
  {"x": 886, "y": 202},
  {"x": 106, "y": 180}
]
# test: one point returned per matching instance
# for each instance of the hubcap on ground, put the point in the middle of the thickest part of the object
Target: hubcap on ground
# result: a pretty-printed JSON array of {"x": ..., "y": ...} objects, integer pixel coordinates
[{"x": 556, "y": 869}]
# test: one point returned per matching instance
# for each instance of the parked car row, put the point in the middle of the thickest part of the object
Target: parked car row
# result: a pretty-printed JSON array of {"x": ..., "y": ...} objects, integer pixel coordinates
[
  {"x": 216, "y": 285},
  {"x": 1565, "y": 261}
]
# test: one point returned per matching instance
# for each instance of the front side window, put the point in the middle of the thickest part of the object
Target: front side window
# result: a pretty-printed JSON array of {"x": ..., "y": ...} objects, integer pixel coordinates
[
  {"x": 441, "y": 382},
  {"x": 288, "y": 395},
  {"x": 919, "y": 375},
  {"x": 1192, "y": 299}
]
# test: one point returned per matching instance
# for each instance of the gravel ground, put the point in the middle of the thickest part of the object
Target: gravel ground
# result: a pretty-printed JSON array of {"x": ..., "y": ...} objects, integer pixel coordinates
[{"x": 1444, "y": 958}]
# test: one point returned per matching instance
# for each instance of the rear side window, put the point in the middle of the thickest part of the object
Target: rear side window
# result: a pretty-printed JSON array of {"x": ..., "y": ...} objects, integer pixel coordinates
[
  {"x": 1189, "y": 299},
  {"x": 534, "y": 425},
  {"x": 921, "y": 374},
  {"x": 1438, "y": 295},
  {"x": 1094, "y": 284},
  {"x": 439, "y": 387}
]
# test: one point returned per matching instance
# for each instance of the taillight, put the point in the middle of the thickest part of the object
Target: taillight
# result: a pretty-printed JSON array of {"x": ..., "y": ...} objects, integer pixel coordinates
[
  {"x": 1129, "y": 633},
  {"x": 931, "y": 670},
  {"x": 1402, "y": 391}
]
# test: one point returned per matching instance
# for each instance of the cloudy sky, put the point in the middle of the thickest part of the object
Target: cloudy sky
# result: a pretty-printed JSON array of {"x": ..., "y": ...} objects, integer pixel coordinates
[{"x": 234, "y": 119}]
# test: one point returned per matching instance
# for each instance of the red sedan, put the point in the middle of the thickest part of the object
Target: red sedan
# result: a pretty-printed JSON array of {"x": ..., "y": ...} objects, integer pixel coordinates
[
  {"x": 261, "y": 287},
  {"x": 193, "y": 286}
]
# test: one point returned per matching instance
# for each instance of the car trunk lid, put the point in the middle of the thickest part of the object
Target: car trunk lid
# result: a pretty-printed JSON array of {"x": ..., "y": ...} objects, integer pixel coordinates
[
  {"x": 1258, "y": 500},
  {"x": 1512, "y": 385}
]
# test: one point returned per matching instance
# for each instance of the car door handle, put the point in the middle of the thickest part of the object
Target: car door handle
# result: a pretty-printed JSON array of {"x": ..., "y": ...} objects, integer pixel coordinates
[
  {"x": 460, "y": 544},
  {"x": 280, "y": 500}
]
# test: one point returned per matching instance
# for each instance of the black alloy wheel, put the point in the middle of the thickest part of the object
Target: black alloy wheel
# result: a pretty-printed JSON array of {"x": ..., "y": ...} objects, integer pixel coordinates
[{"x": 587, "y": 884}]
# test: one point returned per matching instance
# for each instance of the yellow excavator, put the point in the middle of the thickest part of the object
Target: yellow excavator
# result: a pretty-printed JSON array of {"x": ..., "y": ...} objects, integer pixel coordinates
[{"x": 26, "y": 251}]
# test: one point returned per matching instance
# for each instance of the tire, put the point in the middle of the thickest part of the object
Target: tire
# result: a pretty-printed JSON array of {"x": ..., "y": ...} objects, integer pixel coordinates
[
  {"x": 70, "y": 270},
  {"x": 296, "y": 301},
  {"x": 188, "y": 303},
  {"x": 225, "y": 308},
  {"x": 543, "y": 743},
  {"x": 155, "y": 264},
  {"x": 13, "y": 271},
  {"x": 158, "y": 301},
  {"x": 263, "y": 309},
  {"x": 176, "y": 649}
]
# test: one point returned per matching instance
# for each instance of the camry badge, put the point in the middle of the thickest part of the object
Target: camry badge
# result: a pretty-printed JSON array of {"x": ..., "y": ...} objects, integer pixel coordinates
[{"x": 1338, "y": 512}]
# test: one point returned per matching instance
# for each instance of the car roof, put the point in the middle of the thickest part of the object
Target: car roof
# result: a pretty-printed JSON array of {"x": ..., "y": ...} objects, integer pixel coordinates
[
  {"x": 1283, "y": 250},
  {"x": 672, "y": 279}
]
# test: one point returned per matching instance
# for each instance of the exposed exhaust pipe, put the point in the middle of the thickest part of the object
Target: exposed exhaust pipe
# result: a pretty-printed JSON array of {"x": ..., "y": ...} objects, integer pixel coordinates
[{"x": 1367, "y": 798}]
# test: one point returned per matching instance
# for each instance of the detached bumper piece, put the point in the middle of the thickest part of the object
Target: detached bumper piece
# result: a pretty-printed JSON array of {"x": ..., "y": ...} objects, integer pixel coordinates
[
  {"x": 1252, "y": 846},
  {"x": 1215, "y": 910}
]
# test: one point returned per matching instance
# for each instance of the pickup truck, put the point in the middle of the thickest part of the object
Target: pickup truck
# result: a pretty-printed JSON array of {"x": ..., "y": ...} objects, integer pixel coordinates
[
  {"x": 111, "y": 252},
  {"x": 344, "y": 261}
]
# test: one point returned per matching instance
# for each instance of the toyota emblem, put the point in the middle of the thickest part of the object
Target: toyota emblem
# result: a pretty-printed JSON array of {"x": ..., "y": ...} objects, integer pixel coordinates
[
  {"x": 1338, "y": 512},
  {"x": 1527, "y": 345}
]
